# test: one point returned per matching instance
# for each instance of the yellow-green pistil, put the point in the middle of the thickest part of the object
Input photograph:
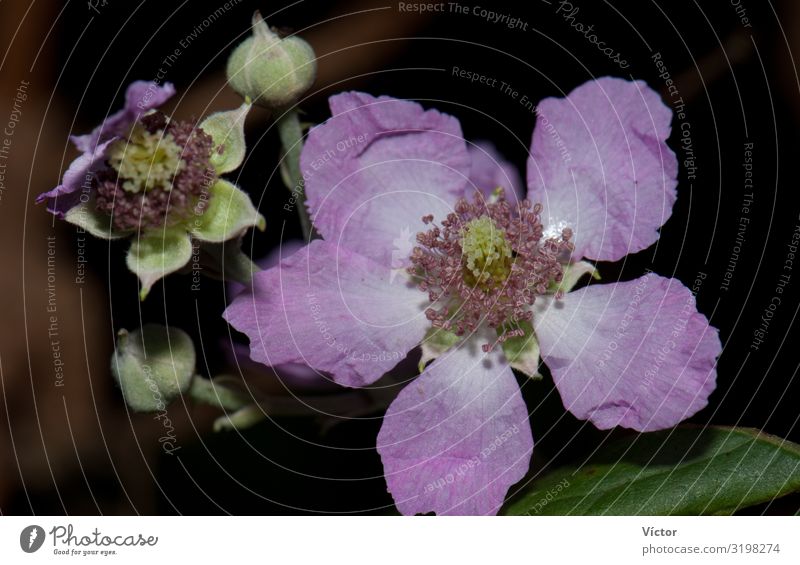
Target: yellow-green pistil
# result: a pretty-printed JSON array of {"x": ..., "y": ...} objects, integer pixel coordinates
[
  {"x": 146, "y": 160},
  {"x": 487, "y": 256}
]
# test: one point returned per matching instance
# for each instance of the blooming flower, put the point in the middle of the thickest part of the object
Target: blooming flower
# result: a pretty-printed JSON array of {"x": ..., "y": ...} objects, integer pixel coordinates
[
  {"x": 143, "y": 173},
  {"x": 486, "y": 285}
]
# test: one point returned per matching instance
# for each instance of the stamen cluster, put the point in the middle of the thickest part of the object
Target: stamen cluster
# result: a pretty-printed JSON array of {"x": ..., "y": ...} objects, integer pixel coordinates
[
  {"x": 486, "y": 263},
  {"x": 158, "y": 176}
]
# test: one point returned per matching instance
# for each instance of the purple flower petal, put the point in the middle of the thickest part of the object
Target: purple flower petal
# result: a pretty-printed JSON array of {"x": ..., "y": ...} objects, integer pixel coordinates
[
  {"x": 65, "y": 196},
  {"x": 285, "y": 250},
  {"x": 599, "y": 164},
  {"x": 490, "y": 170},
  {"x": 635, "y": 354},
  {"x": 294, "y": 375},
  {"x": 457, "y": 437},
  {"x": 141, "y": 97},
  {"x": 376, "y": 167},
  {"x": 332, "y": 310}
]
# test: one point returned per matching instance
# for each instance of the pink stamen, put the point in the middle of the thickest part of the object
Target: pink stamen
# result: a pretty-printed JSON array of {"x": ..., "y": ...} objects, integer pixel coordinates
[{"x": 461, "y": 305}]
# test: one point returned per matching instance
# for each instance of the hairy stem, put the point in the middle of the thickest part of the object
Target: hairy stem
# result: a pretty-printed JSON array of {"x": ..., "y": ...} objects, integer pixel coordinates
[{"x": 291, "y": 135}]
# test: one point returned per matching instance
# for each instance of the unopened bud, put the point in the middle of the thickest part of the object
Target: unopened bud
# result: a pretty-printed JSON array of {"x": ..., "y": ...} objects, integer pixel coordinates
[
  {"x": 153, "y": 366},
  {"x": 270, "y": 71}
]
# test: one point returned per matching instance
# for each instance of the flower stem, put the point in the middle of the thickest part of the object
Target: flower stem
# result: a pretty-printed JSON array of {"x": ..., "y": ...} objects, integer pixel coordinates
[{"x": 291, "y": 135}]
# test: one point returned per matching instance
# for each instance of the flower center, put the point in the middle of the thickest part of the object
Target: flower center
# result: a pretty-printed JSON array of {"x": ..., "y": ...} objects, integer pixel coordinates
[
  {"x": 146, "y": 159},
  {"x": 486, "y": 264},
  {"x": 158, "y": 176},
  {"x": 487, "y": 256}
]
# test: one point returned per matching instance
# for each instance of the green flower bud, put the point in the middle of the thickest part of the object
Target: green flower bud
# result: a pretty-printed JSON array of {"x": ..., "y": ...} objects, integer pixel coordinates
[
  {"x": 153, "y": 366},
  {"x": 270, "y": 71}
]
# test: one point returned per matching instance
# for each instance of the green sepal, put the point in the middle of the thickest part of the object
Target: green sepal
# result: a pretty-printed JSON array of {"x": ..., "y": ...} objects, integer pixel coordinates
[
  {"x": 242, "y": 419},
  {"x": 436, "y": 342},
  {"x": 523, "y": 352},
  {"x": 87, "y": 217},
  {"x": 153, "y": 366},
  {"x": 157, "y": 253},
  {"x": 573, "y": 273},
  {"x": 227, "y": 131},
  {"x": 229, "y": 214},
  {"x": 214, "y": 393}
]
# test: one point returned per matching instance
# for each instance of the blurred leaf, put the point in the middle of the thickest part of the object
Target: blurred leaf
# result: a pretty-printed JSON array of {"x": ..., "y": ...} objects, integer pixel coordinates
[{"x": 687, "y": 470}]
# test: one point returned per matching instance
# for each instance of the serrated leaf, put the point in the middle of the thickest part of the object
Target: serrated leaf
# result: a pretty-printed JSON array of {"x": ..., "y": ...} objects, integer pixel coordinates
[
  {"x": 685, "y": 471},
  {"x": 86, "y": 216},
  {"x": 227, "y": 131},
  {"x": 157, "y": 253}
]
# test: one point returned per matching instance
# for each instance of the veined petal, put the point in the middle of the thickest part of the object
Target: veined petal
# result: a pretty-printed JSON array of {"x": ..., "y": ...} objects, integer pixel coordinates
[
  {"x": 140, "y": 97},
  {"x": 65, "y": 196},
  {"x": 457, "y": 437},
  {"x": 376, "y": 167},
  {"x": 635, "y": 354},
  {"x": 333, "y": 310},
  {"x": 291, "y": 374},
  {"x": 600, "y": 165}
]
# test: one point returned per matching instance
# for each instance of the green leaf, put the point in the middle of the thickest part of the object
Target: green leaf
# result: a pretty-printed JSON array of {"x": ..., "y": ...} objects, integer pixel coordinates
[
  {"x": 87, "y": 217},
  {"x": 229, "y": 214},
  {"x": 685, "y": 471},
  {"x": 158, "y": 253},
  {"x": 227, "y": 131}
]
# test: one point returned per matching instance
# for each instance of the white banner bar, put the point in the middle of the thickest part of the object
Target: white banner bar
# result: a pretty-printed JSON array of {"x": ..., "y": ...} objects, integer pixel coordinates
[{"x": 387, "y": 540}]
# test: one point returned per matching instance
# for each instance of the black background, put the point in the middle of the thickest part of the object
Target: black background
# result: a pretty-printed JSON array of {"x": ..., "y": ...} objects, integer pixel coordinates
[{"x": 746, "y": 92}]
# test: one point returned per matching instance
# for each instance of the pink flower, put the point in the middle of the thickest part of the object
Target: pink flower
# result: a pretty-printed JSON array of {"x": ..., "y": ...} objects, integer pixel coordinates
[{"x": 412, "y": 245}]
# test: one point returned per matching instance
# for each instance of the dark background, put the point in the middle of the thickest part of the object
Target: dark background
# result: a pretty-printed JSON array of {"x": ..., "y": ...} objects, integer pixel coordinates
[{"x": 739, "y": 84}]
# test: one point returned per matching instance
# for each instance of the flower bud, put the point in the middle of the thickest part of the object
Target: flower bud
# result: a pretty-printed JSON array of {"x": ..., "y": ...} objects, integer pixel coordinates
[
  {"x": 270, "y": 71},
  {"x": 153, "y": 366}
]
